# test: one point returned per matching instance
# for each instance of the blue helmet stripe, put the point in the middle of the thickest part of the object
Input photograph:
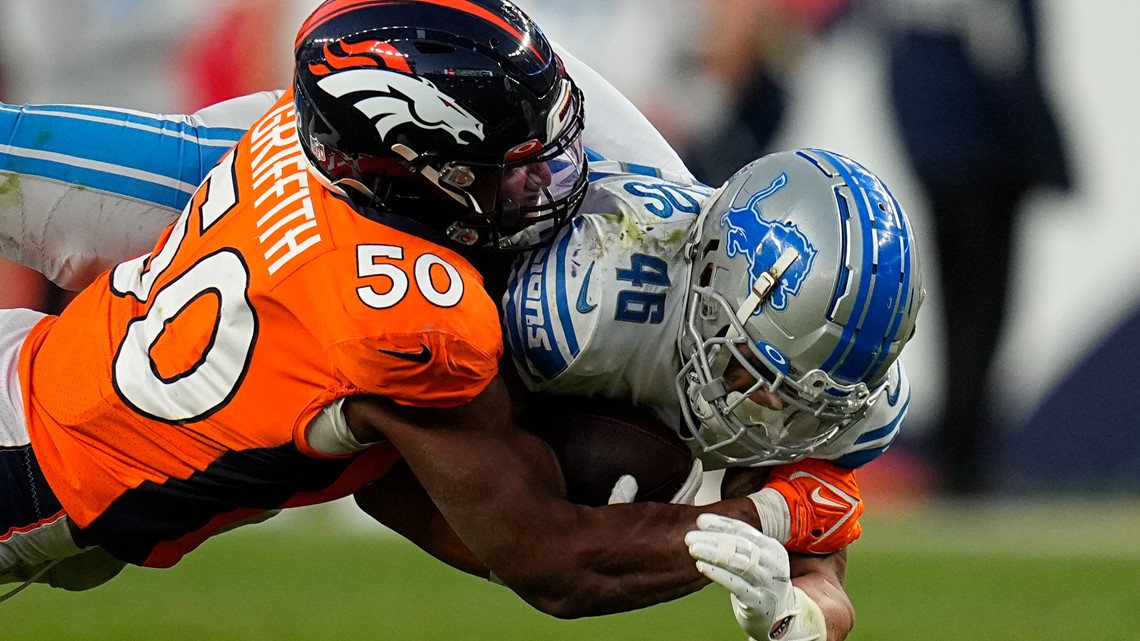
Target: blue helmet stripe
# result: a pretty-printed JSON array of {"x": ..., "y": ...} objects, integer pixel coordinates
[
  {"x": 879, "y": 292},
  {"x": 844, "y": 274},
  {"x": 855, "y": 460},
  {"x": 900, "y": 310},
  {"x": 888, "y": 432}
]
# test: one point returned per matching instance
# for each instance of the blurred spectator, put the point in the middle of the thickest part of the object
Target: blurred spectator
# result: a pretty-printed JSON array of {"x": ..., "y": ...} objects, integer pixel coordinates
[
  {"x": 21, "y": 287},
  {"x": 748, "y": 50},
  {"x": 105, "y": 52},
  {"x": 709, "y": 74},
  {"x": 259, "y": 34},
  {"x": 965, "y": 84}
]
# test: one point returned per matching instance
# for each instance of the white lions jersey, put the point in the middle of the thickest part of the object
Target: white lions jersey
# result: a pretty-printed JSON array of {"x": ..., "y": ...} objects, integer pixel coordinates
[{"x": 598, "y": 312}]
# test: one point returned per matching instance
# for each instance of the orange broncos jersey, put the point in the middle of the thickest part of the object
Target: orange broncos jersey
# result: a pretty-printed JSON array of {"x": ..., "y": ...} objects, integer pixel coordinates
[{"x": 171, "y": 398}]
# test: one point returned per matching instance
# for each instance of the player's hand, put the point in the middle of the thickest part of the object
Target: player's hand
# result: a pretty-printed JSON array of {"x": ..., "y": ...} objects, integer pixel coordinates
[
  {"x": 753, "y": 567},
  {"x": 812, "y": 506},
  {"x": 625, "y": 490}
]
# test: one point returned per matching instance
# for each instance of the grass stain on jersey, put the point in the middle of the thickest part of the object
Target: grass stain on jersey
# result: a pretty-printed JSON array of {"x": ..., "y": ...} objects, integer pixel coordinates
[{"x": 10, "y": 191}]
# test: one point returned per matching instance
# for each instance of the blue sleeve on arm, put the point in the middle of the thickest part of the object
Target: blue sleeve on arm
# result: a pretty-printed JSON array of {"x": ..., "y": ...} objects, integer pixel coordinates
[{"x": 149, "y": 158}]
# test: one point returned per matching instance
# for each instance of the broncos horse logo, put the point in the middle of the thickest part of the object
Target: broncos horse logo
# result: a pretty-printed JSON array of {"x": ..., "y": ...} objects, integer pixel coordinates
[
  {"x": 393, "y": 99},
  {"x": 763, "y": 241}
]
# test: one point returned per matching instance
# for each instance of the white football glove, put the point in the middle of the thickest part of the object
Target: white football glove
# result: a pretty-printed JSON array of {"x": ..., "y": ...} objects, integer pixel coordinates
[
  {"x": 754, "y": 568},
  {"x": 625, "y": 490}
]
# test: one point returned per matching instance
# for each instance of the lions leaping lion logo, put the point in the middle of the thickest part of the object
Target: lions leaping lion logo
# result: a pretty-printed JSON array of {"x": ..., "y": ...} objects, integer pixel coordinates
[
  {"x": 393, "y": 99},
  {"x": 763, "y": 241}
]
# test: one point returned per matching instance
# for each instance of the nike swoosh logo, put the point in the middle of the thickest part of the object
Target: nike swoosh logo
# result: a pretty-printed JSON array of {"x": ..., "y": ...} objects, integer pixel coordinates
[
  {"x": 893, "y": 394},
  {"x": 422, "y": 356},
  {"x": 817, "y": 497},
  {"x": 583, "y": 306}
]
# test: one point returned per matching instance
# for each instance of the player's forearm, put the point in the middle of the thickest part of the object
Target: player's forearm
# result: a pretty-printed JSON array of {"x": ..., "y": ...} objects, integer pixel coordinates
[
  {"x": 502, "y": 491},
  {"x": 833, "y": 602},
  {"x": 399, "y": 502},
  {"x": 822, "y": 580},
  {"x": 617, "y": 558}
]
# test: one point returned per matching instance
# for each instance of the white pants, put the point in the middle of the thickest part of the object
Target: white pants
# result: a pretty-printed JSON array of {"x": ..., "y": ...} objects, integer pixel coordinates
[
  {"x": 35, "y": 538},
  {"x": 14, "y": 327}
]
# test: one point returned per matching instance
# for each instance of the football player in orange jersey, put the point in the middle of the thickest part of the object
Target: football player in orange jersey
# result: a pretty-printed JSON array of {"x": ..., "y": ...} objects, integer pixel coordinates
[{"x": 407, "y": 359}]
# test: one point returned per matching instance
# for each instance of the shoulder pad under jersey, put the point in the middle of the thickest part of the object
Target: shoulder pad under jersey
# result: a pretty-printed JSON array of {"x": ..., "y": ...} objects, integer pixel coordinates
[{"x": 597, "y": 313}]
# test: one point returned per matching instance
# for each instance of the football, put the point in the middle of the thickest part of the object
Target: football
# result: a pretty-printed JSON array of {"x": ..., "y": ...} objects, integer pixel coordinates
[{"x": 597, "y": 441}]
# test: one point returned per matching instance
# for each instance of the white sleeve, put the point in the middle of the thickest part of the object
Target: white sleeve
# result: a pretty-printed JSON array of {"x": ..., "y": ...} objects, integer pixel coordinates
[
  {"x": 83, "y": 188},
  {"x": 616, "y": 129},
  {"x": 875, "y": 432},
  {"x": 236, "y": 113}
]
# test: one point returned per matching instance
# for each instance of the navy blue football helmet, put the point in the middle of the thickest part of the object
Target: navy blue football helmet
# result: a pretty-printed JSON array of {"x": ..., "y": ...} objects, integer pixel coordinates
[{"x": 456, "y": 113}]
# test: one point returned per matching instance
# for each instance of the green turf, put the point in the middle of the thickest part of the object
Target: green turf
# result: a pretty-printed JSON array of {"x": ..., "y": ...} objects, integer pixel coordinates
[{"x": 944, "y": 573}]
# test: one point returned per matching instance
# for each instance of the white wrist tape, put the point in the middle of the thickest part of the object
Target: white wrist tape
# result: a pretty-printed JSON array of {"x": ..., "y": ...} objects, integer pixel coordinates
[{"x": 775, "y": 515}]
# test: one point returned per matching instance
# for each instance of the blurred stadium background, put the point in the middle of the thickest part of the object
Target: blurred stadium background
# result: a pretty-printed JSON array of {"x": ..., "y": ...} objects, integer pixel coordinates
[{"x": 1052, "y": 554}]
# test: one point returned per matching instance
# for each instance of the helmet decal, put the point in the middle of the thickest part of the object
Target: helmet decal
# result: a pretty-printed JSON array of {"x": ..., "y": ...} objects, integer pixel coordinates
[
  {"x": 370, "y": 53},
  {"x": 393, "y": 99},
  {"x": 763, "y": 241}
]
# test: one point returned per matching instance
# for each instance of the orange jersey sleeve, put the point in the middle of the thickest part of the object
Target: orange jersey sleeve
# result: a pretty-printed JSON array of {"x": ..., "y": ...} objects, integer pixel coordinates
[{"x": 171, "y": 397}]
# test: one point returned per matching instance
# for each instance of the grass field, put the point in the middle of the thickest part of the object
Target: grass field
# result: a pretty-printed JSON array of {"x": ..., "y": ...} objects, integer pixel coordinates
[{"x": 1059, "y": 570}]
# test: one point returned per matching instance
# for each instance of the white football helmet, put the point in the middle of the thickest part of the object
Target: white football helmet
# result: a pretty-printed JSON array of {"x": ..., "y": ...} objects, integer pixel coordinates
[{"x": 805, "y": 274}]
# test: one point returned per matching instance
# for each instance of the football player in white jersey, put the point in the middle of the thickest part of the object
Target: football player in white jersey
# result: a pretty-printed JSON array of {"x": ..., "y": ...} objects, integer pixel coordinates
[
  {"x": 647, "y": 228},
  {"x": 632, "y": 301},
  {"x": 762, "y": 320}
]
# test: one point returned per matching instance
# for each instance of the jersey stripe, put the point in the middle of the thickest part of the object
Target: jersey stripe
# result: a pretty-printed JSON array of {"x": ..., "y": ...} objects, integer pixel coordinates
[
  {"x": 538, "y": 306},
  {"x": 224, "y": 137},
  {"x": 85, "y": 145},
  {"x": 26, "y": 499},
  {"x": 255, "y": 479},
  {"x": 532, "y": 322}
]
